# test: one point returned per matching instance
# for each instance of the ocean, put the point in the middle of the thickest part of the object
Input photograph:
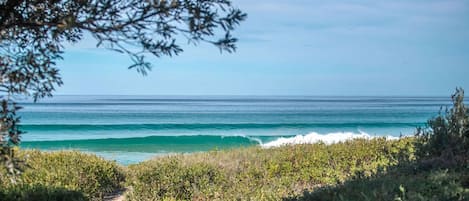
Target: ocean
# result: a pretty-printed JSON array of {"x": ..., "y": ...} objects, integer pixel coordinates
[{"x": 130, "y": 129}]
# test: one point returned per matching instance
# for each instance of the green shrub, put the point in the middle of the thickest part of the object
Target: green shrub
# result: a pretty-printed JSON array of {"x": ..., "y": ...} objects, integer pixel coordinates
[
  {"x": 170, "y": 178},
  {"x": 445, "y": 143},
  {"x": 400, "y": 184},
  {"x": 26, "y": 192},
  {"x": 65, "y": 173},
  {"x": 263, "y": 174}
]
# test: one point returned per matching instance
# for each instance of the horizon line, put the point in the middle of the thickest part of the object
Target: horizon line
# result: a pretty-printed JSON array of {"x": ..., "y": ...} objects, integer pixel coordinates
[{"x": 255, "y": 95}]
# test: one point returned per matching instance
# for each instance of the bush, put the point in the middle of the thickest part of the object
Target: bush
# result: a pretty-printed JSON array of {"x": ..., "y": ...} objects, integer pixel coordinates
[
  {"x": 26, "y": 192},
  {"x": 63, "y": 173},
  {"x": 262, "y": 174},
  {"x": 397, "y": 185},
  {"x": 171, "y": 178},
  {"x": 445, "y": 143}
]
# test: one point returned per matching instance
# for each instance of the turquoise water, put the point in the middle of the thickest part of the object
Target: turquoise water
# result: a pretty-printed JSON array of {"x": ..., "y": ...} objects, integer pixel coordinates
[{"x": 130, "y": 129}]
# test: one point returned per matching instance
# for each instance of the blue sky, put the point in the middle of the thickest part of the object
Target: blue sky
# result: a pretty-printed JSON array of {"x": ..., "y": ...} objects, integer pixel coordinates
[{"x": 301, "y": 47}]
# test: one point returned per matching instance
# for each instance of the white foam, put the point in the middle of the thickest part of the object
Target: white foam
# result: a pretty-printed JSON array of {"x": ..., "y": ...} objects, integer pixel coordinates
[{"x": 314, "y": 137}]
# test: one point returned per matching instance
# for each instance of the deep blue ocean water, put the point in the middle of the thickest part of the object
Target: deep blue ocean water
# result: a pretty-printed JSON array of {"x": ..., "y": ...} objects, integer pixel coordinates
[{"x": 130, "y": 129}]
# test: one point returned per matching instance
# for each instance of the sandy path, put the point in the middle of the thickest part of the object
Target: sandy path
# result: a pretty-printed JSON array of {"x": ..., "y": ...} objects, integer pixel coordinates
[{"x": 116, "y": 196}]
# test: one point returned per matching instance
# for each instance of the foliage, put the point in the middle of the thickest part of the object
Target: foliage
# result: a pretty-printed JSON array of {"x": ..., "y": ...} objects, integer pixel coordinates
[
  {"x": 262, "y": 174},
  {"x": 63, "y": 173},
  {"x": 172, "y": 178},
  {"x": 446, "y": 142},
  {"x": 40, "y": 193},
  {"x": 399, "y": 184},
  {"x": 33, "y": 34}
]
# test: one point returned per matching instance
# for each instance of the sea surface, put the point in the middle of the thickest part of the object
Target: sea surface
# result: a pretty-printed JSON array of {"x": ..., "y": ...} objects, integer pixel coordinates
[{"x": 130, "y": 129}]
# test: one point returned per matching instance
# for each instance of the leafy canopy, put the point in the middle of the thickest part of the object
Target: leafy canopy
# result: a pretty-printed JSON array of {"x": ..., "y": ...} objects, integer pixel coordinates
[{"x": 33, "y": 33}]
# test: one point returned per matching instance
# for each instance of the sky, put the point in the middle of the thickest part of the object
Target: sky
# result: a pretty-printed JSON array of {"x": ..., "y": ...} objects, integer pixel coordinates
[{"x": 301, "y": 47}]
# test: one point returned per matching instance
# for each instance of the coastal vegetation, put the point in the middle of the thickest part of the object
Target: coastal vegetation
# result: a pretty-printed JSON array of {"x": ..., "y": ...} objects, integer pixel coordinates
[
  {"x": 61, "y": 175},
  {"x": 251, "y": 173},
  {"x": 263, "y": 174}
]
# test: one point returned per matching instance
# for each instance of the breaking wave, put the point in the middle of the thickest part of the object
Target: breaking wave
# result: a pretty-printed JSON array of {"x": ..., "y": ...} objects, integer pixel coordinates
[{"x": 314, "y": 137}]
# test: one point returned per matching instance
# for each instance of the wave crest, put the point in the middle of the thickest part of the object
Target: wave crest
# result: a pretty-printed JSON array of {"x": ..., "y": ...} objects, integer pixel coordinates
[{"x": 314, "y": 137}]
